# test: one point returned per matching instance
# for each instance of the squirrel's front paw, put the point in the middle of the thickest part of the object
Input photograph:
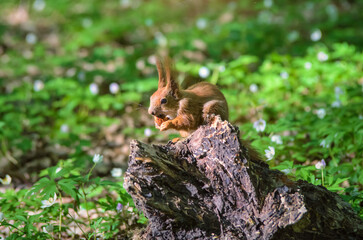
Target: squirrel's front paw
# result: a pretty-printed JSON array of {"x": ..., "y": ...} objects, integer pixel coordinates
[
  {"x": 208, "y": 118},
  {"x": 166, "y": 125}
]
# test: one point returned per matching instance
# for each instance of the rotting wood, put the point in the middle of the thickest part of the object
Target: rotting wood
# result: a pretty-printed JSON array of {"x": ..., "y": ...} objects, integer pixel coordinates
[{"x": 208, "y": 186}]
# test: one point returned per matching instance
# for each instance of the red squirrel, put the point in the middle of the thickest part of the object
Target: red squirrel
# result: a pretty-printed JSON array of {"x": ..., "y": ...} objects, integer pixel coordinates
[{"x": 184, "y": 109}]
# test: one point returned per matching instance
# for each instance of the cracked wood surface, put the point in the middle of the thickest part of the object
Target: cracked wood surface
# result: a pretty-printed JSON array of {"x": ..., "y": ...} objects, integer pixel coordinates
[{"x": 210, "y": 186}]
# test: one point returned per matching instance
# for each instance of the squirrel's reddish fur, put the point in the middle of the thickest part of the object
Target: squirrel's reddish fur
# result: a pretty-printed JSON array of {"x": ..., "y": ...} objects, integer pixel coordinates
[{"x": 184, "y": 109}]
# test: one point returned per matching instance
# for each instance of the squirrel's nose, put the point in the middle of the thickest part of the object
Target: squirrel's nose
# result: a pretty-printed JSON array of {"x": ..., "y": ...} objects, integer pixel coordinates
[{"x": 151, "y": 111}]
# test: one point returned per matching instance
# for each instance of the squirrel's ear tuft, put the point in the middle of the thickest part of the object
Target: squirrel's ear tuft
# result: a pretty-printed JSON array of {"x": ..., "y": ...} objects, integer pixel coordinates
[
  {"x": 162, "y": 79},
  {"x": 170, "y": 78}
]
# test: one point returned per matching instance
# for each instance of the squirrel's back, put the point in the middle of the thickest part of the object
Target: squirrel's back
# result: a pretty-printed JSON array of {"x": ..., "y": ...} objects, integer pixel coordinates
[
  {"x": 184, "y": 109},
  {"x": 212, "y": 98}
]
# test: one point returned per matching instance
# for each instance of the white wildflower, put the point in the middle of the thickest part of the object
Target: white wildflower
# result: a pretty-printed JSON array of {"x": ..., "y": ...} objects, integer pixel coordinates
[
  {"x": 161, "y": 39},
  {"x": 93, "y": 88},
  {"x": 6, "y": 180},
  {"x": 268, "y": 3},
  {"x": 64, "y": 128},
  {"x": 116, "y": 172},
  {"x": 114, "y": 88},
  {"x": 119, "y": 207},
  {"x": 221, "y": 68},
  {"x": 140, "y": 64},
  {"x": 231, "y": 5},
  {"x": 125, "y": 3},
  {"x": 336, "y": 104},
  {"x": 332, "y": 11},
  {"x": 39, "y": 5},
  {"x": 149, "y": 22},
  {"x": 286, "y": 171},
  {"x": 204, "y": 72},
  {"x": 276, "y": 139},
  {"x": 270, "y": 153},
  {"x": 71, "y": 72},
  {"x": 322, "y": 56},
  {"x": 293, "y": 36},
  {"x": 260, "y": 125},
  {"x": 147, "y": 132},
  {"x": 321, "y": 164},
  {"x": 338, "y": 91},
  {"x": 152, "y": 59},
  {"x": 321, "y": 113},
  {"x": 308, "y": 65},
  {"x": 86, "y": 22},
  {"x": 49, "y": 202},
  {"x": 58, "y": 170},
  {"x": 97, "y": 158},
  {"x": 284, "y": 75},
  {"x": 48, "y": 228},
  {"x": 81, "y": 76},
  {"x": 38, "y": 85},
  {"x": 324, "y": 144},
  {"x": 201, "y": 23},
  {"x": 31, "y": 38},
  {"x": 316, "y": 35},
  {"x": 253, "y": 88}
]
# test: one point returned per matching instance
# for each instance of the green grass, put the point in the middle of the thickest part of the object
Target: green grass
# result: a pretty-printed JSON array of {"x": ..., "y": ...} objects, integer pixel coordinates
[{"x": 262, "y": 57}]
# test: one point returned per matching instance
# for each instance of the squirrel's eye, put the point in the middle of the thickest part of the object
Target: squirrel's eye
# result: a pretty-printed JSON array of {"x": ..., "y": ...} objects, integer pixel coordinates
[{"x": 163, "y": 101}]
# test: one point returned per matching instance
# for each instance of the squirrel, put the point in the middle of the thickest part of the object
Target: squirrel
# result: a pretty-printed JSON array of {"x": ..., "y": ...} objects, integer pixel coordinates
[{"x": 184, "y": 109}]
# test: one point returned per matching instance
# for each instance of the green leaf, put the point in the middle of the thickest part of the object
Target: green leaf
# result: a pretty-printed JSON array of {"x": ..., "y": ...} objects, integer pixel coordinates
[
  {"x": 39, "y": 185},
  {"x": 68, "y": 186}
]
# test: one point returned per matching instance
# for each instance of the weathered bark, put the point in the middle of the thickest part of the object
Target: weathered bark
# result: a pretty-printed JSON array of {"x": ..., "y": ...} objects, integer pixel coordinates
[{"x": 209, "y": 186}]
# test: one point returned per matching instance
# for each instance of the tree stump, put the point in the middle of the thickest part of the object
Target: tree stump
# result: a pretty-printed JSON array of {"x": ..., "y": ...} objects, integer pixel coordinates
[{"x": 209, "y": 186}]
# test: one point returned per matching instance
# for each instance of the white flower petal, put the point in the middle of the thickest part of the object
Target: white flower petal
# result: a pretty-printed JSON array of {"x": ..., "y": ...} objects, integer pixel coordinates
[
  {"x": 147, "y": 132},
  {"x": 114, "y": 88},
  {"x": 322, "y": 56},
  {"x": 6, "y": 180},
  {"x": 93, "y": 88},
  {"x": 86, "y": 22},
  {"x": 204, "y": 72},
  {"x": 270, "y": 153},
  {"x": 316, "y": 35},
  {"x": 201, "y": 23},
  {"x": 260, "y": 125},
  {"x": 64, "y": 128},
  {"x": 38, "y": 85},
  {"x": 31, "y": 38},
  {"x": 308, "y": 65},
  {"x": 39, "y": 5},
  {"x": 338, "y": 91},
  {"x": 116, "y": 172},
  {"x": 336, "y": 104},
  {"x": 284, "y": 75},
  {"x": 320, "y": 165},
  {"x": 97, "y": 158},
  {"x": 276, "y": 139},
  {"x": 324, "y": 144},
  {"x": 268, "y": 3},
  {"x": 321, "y": 113},
  {"x": 253, "y": 88}
]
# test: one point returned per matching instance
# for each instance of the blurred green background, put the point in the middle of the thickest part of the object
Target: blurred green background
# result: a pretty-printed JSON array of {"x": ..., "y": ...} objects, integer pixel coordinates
[{"x": 76, "y": 77}]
